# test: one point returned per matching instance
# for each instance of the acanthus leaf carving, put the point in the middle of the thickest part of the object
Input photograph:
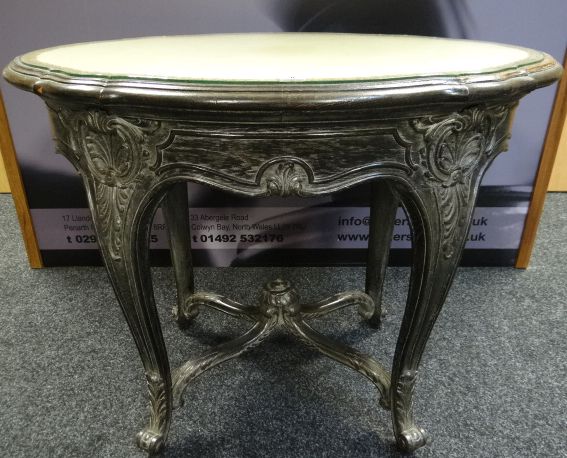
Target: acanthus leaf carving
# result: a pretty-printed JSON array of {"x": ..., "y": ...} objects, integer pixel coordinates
[
  {"x": 158, "y": 401},
  {"x": 152, "y": 438},
  {"x": 111, "y": 205},
  {"x": 453, "y": 149},
  {"x": 284, "y": 178},
  {"x": 116, "y": 154}
]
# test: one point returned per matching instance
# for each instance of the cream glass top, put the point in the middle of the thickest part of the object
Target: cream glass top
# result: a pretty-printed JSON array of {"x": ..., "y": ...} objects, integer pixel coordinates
[{"x": 280, "y": 57}]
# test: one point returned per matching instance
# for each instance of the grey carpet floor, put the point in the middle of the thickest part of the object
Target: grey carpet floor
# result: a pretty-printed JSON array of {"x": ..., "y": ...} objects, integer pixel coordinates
[{"x": 493, "y": 381}]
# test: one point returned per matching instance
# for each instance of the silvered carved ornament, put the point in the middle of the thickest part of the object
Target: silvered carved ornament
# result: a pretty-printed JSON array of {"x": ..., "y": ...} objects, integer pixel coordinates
[
  {"x": 454, "y": 148},
  {"x": 284, "y": 178},
  {"x": 113, "y": 153}
]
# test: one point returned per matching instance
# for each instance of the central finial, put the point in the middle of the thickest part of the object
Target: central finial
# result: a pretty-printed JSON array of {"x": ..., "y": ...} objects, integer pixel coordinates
[
  {"x": 277, "y": 286},
  {"x": 279, "y": 297}
]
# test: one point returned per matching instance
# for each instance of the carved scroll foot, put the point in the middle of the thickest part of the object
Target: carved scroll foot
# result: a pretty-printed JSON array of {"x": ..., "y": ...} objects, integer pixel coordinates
[
  {"x": 153, "y": 437},
  {"x": 411, "y": 439},
  {"x": 150, "y": 442}
]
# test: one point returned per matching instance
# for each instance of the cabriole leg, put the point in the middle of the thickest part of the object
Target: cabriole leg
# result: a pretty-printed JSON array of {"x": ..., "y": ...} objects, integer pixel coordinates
[
  {"x": 440, "y": 219},
  {"x": 383, "y": 207},
  {"x": 122, "y": 221},
  {"x": 175, "y": 208}
]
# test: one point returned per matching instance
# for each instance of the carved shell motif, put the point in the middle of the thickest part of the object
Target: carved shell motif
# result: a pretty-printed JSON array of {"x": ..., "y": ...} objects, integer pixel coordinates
[
  {"x": 455, "y": 144},
  {"x": 115, "y": 153},
  {"x": 285, "y": 178},
  {"x": 454, "y": 147},
  {"x": 116, "y": 150}
]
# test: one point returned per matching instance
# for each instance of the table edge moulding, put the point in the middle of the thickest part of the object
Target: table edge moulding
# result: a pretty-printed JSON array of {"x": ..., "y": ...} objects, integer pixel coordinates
[
  {"x": 535, "y": 70},
  {"x": 301, "y": 118}
]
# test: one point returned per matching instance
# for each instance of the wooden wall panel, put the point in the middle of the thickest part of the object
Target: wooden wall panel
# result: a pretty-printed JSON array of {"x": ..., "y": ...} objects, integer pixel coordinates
[
  {"x": 17, "y": 187},
  {"x": 558, "y": 180},
  {"x": 550, "y": 146},
  {"x": 4, "y": 185}
]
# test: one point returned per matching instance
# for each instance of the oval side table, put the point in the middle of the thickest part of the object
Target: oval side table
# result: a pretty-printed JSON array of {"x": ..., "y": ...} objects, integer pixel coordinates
[{"x": 282, "y": 114}]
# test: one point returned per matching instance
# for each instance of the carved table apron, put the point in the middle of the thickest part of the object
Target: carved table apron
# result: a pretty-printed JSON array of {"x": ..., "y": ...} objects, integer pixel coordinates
[{"x": 423, "y": 142}]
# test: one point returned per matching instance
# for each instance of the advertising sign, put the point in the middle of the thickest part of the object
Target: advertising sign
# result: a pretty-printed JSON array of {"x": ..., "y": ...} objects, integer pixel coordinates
[{"x": 228, "y": 230}]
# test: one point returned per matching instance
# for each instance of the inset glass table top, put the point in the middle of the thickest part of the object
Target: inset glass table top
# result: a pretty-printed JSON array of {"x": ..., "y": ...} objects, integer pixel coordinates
[
  {"x": 280, "y": 57},
  {"x": 275, "y": 71}
]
